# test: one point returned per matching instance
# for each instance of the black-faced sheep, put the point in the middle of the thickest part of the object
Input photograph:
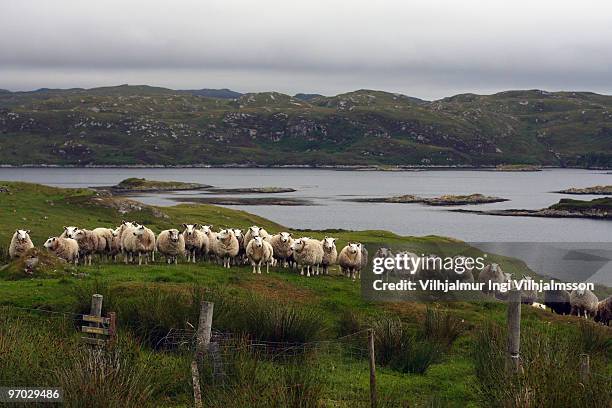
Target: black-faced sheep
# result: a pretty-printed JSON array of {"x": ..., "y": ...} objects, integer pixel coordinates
[
  {"x": 330, "y": 254},
  {"x": 308, "y": 253},
  {"x": 350, "y": 261},
  {"x": 64, "y": 248},
  {"x": 226, "y": 246},
  {"x": 20, "y": 243},
  {"x": 604, "y": 311},
  {"x": 558, "y": 301},
  {"x": 583, "y": 302},
  {"x": 171, "y": 244},
  {"x": 259, "y": 251}
]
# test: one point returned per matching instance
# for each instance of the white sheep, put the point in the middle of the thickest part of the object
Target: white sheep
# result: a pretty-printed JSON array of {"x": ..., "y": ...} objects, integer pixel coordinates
[
  {"x": 281, "y": 244},
  {"x": 241, "y": 257},
  {"x": 196, "y": 241},
  {"x": 350, "y": 261},
  {"x": 253, "y": 232},
  {"x": 64, "y": 248},
  {"x": 604, "y": 311},
  {"x": 308, "y": 253},
  {"x": 89, "y": 243},
  {"x": 114, "y": 247},
  {"x": 125, "y": 229},
  {"x": 212, "y": 239},
  {"x": 141, "y": 241},
  {"x": 583, "y": 302},
  {"x": 226, "y": 246},
  {"x": 491, "y": 273},
  {"x": 20, "y": 243},
  {"x": 171, "y": 244},
  {"x": 330, "y": 254},
  {"x": 105, "y": 242},
  {"x": 259, "y": 251}
]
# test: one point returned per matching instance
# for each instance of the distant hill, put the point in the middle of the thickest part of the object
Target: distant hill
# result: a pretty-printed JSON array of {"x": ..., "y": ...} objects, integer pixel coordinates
[
  {"x": 307, "y": 96},
  {"x": 215, "y": 93},
  {"x": 127, "y": 124}
]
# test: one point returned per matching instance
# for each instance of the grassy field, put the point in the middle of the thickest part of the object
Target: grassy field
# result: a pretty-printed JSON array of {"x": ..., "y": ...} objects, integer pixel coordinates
[{"x": 443, "y": 354}]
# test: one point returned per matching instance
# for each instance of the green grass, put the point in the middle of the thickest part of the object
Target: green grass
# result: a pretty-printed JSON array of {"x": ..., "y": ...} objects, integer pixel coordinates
[{"x": 435, "y": 365}]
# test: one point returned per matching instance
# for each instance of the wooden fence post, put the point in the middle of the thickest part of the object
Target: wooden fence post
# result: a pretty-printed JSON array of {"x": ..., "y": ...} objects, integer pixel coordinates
[
  {"x": 202, "y": 343},
  {"x": 96, "y": 308},
  {"x": 585, "y": 368},
  {"x": 373, "y": 396},
  {"x": 204, "y": 329},
  {"x": 514, "y": 329}
]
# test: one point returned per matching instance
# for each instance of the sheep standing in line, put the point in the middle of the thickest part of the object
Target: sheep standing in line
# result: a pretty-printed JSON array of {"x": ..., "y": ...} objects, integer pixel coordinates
[
  {"x": 583, "y": 302},
  {"x": 253, "y": 232},
  {"x": 140, "y": 241},
  {"x": 194, "y": 241},
  {"x": 114, "y": 247},
  {"x": 259, "y": 251},
  {"x": 20, "y": 243},
  {"x": 604, "y": 311},
  {"x": 64, "y": 248},
  {"x": 171, "y": 244},
  {"x": 89, "y": 243},
  {"x": 240, "y": 258},
  {"x": 308, "y": 253},
  {"x": 558, "y": 301},
  {"x": 490, "y": 274},
  {"x": 350, "y": 261},
  {"x": 126, "y": 228},
  {"x": 330, "y": 254},
  {"x": 226, "y": 246},
  {"x": 281, "y": 244},
  {"x": 384, "y": 253},
  {"x": 105, "y": 242},
  {"x": 212, "y": 240}
]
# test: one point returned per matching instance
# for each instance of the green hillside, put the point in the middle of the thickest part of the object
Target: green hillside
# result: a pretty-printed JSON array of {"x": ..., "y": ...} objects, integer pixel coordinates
[{"x": 150, "y": 125}]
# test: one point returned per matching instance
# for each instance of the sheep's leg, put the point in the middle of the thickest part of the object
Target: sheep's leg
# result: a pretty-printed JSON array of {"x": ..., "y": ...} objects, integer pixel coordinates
[
  {"x": 308, "y": 271},
  {"x": 253, "y": 265},
  {"x": 267, "y": 267},
  {"x": 302, "y": 270},
  {"x": 193, "y": 257},
  {"x": 139, "y": 258},
  {"x": 259, "y": 267}
]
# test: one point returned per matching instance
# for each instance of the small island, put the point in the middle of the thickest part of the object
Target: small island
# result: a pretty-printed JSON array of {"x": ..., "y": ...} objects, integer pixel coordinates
[
  {"x": 244, "y": 201},
  {"x": 252, "y": 190},
  {"x": 595, "y": 190},
  {"x": 599, "y": 208},
  {"x": 518, "y": 167},
  {"x": 445, "y": 200},
  {"x": 141, "y": 185}
]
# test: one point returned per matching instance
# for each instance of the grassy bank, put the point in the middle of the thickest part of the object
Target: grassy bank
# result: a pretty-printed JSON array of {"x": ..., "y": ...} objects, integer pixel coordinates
[{"x": 426, "y": 355}]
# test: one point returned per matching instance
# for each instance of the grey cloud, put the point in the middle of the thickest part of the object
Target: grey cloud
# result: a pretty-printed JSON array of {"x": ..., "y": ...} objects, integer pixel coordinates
[{"x": 426, "y": 48}]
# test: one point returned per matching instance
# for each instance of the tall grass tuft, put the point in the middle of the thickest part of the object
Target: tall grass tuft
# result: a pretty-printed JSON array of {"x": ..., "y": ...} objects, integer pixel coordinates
[
  {"x": 595, "y": 339},
  {"x": 401, "y": 349},
  {"x": 550, "y": 377},
  {"x": 105, "y": 378},
  {"x": 442, "y": 327}
]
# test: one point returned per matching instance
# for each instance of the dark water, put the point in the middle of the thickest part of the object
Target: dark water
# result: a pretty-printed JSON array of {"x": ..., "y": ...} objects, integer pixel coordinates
[{"x": 328, "y": 189}]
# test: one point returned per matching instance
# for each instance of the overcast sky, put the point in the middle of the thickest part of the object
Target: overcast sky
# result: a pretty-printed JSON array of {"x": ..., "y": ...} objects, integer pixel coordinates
[{"x": 424, "y": 48}]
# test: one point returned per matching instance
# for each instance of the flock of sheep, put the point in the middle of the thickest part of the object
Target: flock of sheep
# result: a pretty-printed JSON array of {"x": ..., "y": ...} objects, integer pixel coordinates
[
  {"x": 227, "y": 246},
  {"x": 256, "y": 247}
]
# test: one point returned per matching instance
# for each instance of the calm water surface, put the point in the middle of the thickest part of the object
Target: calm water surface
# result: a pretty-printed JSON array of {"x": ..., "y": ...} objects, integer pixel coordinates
[{"x": 328, "y": 189}]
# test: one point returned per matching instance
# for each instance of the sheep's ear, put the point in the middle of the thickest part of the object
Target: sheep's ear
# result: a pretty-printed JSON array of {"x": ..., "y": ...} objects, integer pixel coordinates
[
  {"x": 65, "y": 227},
  {"x": 184, "y": 225},
  {"x": 333, "y": 239},
  {"x": 28, "y": 231},
  {"x": 196, "y": 225},
  {"x": 325, "y": 237}
]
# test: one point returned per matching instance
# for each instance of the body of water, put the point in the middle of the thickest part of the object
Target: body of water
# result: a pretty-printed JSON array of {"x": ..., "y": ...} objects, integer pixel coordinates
[{"x": 328, "y": 190}]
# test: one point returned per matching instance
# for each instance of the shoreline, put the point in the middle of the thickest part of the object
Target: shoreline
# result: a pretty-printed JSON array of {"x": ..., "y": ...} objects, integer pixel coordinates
[{"x": 340, "y": 167}]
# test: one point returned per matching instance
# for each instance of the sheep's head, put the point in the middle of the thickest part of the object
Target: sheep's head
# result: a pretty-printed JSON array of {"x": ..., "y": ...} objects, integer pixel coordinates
[
  {"x": 384, "y": 253},
  {"x": 237, "y": 233},
  {"x": 173, "y": 235},
  {"x": 115, "y": 232},
  {"x": 255, "y": 230},
  {"x": 285, "y": 237},
  {"x": 207, "y": 229},
  {"x": 224, "y": 234},
  {"x": 580, "y": 292},
  {"x": 71, "y": 232},
  {"x": 329, "y": 243},
  {"x": 50, "y": 243},
  {"x": 139, "y": 230},
  {"x": 258, "y": 242},
  {"x": 190, "y": 229},
  {"x": 353, "y": 248},
  {"x": 298, "y": 244},
  {"x": 22, "y": 235}
]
